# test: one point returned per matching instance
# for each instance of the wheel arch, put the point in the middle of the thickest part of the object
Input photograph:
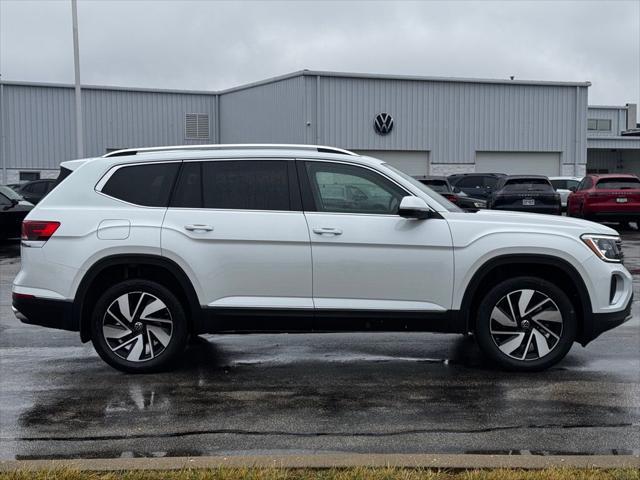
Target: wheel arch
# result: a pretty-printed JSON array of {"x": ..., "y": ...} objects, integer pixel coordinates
[
  {"x": 549, "y": 267},
  {"x": 128, "y": 266}
]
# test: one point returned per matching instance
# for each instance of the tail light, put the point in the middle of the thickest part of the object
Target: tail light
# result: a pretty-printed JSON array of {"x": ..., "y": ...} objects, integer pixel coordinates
[{"x": 36, "y": 230}]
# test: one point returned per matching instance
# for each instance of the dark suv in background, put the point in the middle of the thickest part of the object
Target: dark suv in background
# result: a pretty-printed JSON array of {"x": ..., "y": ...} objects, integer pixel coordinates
[
  {"x": 476, "y": 185},
  {"x": 525, "y": 193}
]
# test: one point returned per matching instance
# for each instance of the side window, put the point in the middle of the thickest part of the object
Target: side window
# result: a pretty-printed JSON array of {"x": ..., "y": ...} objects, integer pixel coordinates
[
  {"x": 572, "y": 183},
  {"x": 4, "y": 200},
  {"x": 246, "y": 184},
  {"x": 36, "y": 188},
  {"x": 350, "y": 189},
  {"x": 469, "y": 182},
  {"x": 147, "y": 185},
  {"x": 490, "y": 182},
  {"x": 585, "y": 184},
  {"x": 188, "y": 191}
]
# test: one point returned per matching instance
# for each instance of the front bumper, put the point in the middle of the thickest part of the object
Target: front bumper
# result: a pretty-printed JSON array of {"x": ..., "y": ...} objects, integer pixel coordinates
[
  {"x": 603, "y": 322},
  {"x": 45, "y": 312}
]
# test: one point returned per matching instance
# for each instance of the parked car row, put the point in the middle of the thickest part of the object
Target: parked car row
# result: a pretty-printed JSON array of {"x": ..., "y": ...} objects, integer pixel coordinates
[
  {"x": 610, "y": 197},
  {"x": 603, "y": 197}
]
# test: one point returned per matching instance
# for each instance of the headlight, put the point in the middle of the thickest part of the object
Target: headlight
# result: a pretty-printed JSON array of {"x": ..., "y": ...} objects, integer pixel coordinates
[
  {"x": 479, "y": 204},
  {"x": 606, "y": 247}
]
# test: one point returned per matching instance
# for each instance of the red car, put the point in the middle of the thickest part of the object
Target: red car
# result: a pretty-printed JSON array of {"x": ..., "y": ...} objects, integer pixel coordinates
[{"x": 610, "y": 197}]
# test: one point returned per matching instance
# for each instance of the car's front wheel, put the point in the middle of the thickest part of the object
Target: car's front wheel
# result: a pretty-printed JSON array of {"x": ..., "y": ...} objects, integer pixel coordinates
[
  {"x": 526, "y": 324},
  {"x": 138, "y": 326}
]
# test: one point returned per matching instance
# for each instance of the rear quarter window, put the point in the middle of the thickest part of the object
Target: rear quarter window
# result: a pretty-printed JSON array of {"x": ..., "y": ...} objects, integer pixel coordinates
[
  {"x": 618, "y": 184},
  {"x": 537, "y": 184},
  {"x": 147, "y": 185}
]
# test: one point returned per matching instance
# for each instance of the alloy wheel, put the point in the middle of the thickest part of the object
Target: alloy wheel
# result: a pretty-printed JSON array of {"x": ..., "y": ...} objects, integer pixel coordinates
[
  {"x": 526, "y": 325},
  {"x": 137, "y": 326}
]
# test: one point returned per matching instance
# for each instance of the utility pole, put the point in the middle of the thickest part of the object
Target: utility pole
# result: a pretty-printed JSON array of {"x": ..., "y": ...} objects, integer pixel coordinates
[
  {"x": 3, "y": 153},
  {"x": 76, "y": 64}
]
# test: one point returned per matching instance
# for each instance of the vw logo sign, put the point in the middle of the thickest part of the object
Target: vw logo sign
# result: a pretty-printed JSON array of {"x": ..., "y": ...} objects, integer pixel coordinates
[{"x": 383, "y": 123}]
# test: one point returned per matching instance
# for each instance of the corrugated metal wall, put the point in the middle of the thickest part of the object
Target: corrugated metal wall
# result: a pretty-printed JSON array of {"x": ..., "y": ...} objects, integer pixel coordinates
[
  {"x": 39, "y": 122},
  {"x": 38, "y": 126},
  {"x": 451, "y": 120},
  {"x": 618, "y": 117},
  {"x": 120, "y": 119},
  {"x": 269, "y": 113}
]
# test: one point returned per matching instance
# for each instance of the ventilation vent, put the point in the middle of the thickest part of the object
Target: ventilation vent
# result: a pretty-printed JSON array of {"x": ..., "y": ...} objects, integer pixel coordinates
[{"x": 196, "y": 126}]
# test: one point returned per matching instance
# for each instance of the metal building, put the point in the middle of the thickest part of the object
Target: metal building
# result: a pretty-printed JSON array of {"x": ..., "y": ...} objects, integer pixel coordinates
[
  {"x": 423, "y": 125},
  {"x": 613, "y": 139}
]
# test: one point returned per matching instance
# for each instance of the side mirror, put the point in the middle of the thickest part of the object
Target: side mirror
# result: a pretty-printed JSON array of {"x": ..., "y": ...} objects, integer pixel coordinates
[
  {"x": 573, "y": 189},
  {"x": 414, "y": 207}
]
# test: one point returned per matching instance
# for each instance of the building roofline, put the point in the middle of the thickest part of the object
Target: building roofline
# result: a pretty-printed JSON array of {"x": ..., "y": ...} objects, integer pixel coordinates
[
  {"x": 107, "y": 87},
  {"x": 603, "y": 138},
  {"x": 412, "y": 78},
  {"x": 610, "y": 107},
  {"x": 312, "y": 73}
]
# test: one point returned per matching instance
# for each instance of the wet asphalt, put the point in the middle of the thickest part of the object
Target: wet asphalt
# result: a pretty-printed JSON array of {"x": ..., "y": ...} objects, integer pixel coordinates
[{"x": 294, "y": 394}]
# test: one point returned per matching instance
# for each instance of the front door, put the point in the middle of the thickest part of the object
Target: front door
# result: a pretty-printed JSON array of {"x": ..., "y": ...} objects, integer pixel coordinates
[{"x": 365, "y": 256}]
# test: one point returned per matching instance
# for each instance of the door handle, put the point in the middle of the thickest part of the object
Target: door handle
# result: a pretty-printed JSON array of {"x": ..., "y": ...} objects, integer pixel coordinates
[
  {"x": 198, "y": 227},
  {"x": 327, "y": 231}
]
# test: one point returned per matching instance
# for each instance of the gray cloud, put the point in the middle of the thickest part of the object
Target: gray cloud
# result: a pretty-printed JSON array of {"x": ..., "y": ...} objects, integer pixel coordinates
[{"x": 211, "y": 45}]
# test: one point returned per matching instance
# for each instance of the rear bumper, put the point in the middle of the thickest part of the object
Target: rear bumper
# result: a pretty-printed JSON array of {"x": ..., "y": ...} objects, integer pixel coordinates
[
  {"x": 613, "y": 216},
  {"x": 550, "y": 210},
  {"x": 45, "y": 312}
]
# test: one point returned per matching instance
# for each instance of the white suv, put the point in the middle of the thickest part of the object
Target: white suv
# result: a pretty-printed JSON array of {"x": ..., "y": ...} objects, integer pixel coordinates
[{"x": 139, "y": 249}]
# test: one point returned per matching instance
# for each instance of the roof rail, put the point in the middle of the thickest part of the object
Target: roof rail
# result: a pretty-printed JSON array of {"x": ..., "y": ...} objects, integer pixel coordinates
[{"x": 218, "y": 146}]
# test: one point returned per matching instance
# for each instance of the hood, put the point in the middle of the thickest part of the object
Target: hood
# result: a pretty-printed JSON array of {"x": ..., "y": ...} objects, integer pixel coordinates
[{"x": 528, "y": 221}]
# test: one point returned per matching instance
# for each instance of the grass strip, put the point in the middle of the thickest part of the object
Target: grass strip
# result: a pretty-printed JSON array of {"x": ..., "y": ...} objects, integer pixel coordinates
[{"x": 359, "y": 473}]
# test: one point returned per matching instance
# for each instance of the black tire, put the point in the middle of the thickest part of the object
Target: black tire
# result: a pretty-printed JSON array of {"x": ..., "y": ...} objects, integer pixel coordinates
[
  {"x": 162, "y": 333},
  {"x": 556, "y": 337}
]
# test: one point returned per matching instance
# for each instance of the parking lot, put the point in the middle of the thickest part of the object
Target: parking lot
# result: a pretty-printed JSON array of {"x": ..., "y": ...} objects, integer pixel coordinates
[{"x": 261, "y": 394}]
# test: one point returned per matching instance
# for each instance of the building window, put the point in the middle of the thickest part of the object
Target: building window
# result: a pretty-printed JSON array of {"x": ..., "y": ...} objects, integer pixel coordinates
[
  {"x": 599, "y": 124},
  {"x": 29, "y": 176},
  {"x": 196, "y": 126}
]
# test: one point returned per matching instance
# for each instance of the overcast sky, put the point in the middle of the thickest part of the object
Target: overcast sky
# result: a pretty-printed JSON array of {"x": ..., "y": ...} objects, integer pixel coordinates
[{"x": 208, "y": 45}]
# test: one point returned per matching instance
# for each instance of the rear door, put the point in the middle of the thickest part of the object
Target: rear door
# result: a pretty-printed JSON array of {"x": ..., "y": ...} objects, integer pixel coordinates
[
  {"x": 237, "y": 228},
  {"x": 367, "y": 257}
]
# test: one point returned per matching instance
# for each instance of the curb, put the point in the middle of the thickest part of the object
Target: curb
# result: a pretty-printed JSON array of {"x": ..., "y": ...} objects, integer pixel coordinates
[{"x": 463, "y": 462}]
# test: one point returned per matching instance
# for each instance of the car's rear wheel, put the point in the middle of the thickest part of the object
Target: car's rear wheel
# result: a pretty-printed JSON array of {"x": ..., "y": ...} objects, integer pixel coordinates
[
  {"x": 526, "y": 324},
  {"x": 139, "y": 326}
]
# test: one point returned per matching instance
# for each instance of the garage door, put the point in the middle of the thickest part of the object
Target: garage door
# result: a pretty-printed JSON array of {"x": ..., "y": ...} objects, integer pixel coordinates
[
  {"x": 518, "y": 163},
  {"x": 413, "y": 163}
]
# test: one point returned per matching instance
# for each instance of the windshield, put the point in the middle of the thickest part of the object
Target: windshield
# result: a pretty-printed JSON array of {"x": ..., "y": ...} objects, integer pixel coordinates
[
  {"x": 430, "y": 192},
  {"x": 618, "y": 184},
  {"x": 527, "y": 184},
  {"x": 9, "y": 193}
]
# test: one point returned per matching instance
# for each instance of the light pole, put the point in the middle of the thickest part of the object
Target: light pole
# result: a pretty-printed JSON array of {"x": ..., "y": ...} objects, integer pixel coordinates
[{"x": 78, "y": 91}]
